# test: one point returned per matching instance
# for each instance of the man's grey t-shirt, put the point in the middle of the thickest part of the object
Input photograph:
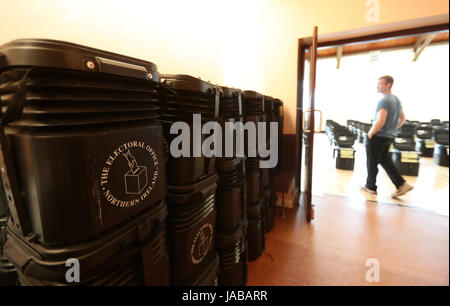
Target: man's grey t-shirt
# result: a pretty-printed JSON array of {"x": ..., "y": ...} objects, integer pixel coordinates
[{"x": 393, "y": 107}]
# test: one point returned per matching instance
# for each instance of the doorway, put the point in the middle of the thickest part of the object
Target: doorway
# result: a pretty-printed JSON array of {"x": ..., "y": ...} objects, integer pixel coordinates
[{"x": 308, "y": 50}]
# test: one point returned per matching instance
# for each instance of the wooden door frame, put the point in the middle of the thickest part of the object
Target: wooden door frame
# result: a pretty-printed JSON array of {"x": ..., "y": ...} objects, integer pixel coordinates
[{"x": 386, "y": 31}]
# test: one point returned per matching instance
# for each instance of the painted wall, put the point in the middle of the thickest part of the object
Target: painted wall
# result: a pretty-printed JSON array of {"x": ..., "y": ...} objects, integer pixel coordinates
[{"x": 250, "y": 44}]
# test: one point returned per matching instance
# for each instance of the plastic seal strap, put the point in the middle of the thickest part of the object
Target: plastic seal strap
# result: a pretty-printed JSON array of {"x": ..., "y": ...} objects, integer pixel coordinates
[
  {"x": 13, "y": 112},
  {"x": 216, "y": 101},
  {"x": 244, "y": 190},
  {"x": 263, "y": 107},
  {"x": 167, "y": 86},
  {"x": 166, "y": 149},
  {"x": 162, "y": 89},
  {"x": 239, "y": 97}
]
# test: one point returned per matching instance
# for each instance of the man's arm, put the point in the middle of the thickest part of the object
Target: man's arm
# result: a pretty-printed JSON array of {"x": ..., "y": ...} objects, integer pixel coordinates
[
  {"x": 379, "y": 122},
  {"x": 401, "y": 119}
]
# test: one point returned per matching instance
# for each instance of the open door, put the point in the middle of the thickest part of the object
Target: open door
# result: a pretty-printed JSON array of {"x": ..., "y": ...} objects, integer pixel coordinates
[
  {"x": 307, "y": 51},
  {"x": 306, "y": 124}
]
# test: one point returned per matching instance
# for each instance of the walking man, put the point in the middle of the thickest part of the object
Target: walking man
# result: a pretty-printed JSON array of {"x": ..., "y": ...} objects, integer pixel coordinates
[{"x": 389, "y": 117}]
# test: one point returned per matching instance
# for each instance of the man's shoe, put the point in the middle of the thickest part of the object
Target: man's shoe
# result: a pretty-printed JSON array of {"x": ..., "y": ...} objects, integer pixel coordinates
[
  {"x": 402, "y": 190},
  {"x": 364, "y": 188}
]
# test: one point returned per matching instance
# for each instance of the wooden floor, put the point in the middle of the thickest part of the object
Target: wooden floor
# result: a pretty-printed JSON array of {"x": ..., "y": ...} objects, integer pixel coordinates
[
  {"x": 409, "y": 237},
  {"x": 431, "y": 187},
  {"x": 411, "y": 245}
]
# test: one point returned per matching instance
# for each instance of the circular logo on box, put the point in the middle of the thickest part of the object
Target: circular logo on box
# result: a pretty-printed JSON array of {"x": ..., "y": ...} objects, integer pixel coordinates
[
  {"x": 129, "y": 174},
  {"x": 202, "y": 243}
]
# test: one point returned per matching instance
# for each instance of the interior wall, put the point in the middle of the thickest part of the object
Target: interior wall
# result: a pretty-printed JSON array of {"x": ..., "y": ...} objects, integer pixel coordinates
[
  {"x": 350, "y": 91},
  {"x": 249, "y": 44}
]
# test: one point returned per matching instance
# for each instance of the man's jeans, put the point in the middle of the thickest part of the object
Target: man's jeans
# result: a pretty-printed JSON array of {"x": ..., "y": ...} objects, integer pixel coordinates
[{"x": 377, "y": 150}]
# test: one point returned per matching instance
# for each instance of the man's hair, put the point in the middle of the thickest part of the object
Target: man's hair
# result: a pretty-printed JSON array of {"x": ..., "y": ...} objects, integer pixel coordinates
[{"x": 388, "y": 79}]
